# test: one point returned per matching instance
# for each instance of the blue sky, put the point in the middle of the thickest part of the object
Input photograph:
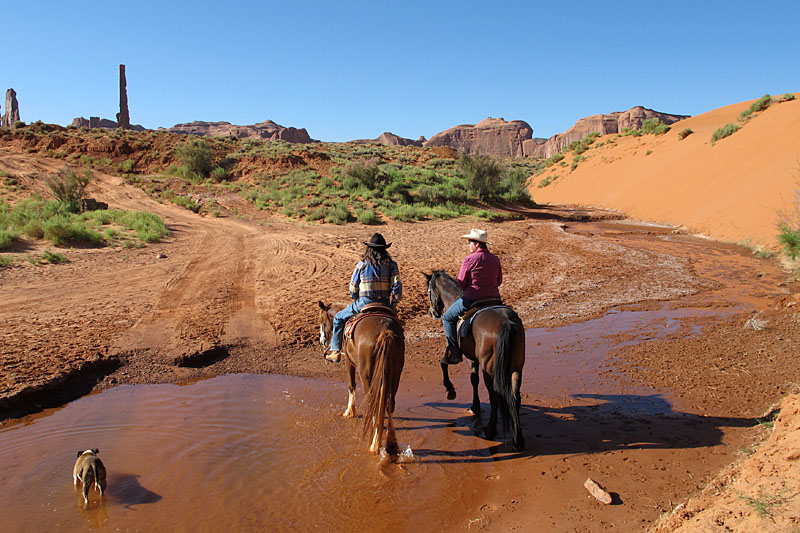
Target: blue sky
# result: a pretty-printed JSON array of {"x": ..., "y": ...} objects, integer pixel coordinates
[{"x": 346, "y": 70}]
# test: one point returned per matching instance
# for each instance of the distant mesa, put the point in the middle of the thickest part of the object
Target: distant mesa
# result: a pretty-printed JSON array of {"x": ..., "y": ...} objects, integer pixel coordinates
[
  {"x": 500, "y": 138},
  {"x": 603, "y": 124},
  {"x": 493, "y": 136},
  {"x": 263, "y": 130},
  {"x": 390, "y": 139},
  {"x": 97, "y": 122}
]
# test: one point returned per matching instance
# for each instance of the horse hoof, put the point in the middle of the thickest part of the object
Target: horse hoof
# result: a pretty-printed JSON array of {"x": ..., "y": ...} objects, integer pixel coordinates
[{"x": 451, "y": 394}]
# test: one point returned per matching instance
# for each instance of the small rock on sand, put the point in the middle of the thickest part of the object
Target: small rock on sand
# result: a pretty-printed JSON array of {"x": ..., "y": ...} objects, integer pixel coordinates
[{"x": 599, "y": 493}]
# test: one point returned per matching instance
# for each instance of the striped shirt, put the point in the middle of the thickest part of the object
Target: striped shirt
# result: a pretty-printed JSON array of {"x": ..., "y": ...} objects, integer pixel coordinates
[{"x": 381, "y": 282}]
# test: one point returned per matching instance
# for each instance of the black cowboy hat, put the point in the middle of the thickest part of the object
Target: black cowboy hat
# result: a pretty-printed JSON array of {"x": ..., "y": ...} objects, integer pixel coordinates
[{"x": 377, "y": 241}]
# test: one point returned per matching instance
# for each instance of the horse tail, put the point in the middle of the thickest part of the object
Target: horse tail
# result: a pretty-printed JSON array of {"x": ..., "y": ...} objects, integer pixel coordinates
[
  {"x": 502, "y": 382},
  {"x": 378, "y": 394}
]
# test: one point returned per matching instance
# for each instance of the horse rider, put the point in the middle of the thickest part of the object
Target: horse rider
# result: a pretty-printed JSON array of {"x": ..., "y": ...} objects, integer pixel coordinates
[
  {"x": 479, "y": 278},
  {"x": 375, "y": 279}
]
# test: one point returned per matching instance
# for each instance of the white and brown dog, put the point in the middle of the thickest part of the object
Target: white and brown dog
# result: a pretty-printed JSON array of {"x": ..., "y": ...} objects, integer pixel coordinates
[{"x": 89, "y": 469}]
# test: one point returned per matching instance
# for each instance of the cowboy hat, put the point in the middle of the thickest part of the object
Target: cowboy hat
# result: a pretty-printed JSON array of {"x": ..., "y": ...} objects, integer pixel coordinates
[
  {"x": 476, "y": 235},
  {"x": 377, "y": 241}
]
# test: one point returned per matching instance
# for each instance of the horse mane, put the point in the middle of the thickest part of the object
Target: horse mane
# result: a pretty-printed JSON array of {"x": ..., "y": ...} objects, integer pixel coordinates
[{"x": 447, "y": 278}]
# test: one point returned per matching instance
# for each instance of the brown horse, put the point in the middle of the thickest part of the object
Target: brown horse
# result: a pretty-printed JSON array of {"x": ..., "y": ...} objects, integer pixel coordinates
[
  {"x": 377, "y": 351},
  {"x": 496, "y": 343}
]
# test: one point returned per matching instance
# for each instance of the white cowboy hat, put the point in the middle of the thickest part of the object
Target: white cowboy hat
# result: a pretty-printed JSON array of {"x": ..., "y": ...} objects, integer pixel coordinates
[{"x": 476, "y": 235}]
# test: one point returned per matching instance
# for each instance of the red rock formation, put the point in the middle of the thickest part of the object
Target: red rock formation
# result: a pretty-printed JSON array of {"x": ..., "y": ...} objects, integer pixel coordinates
[
  {"x": 390, "y": 139},
  {"x": 493, "y": 136},
  {"x": 263, "y": 130},
  {"x": 11, "y": 116},
  {"x": 603, "y": 124},
  {"x": 97, "y": 122},
  {"x": 123, "y": 117}
]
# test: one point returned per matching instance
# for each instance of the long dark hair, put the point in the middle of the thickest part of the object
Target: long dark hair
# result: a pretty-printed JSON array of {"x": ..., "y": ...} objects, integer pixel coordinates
[{"x": 376, "y": 256}]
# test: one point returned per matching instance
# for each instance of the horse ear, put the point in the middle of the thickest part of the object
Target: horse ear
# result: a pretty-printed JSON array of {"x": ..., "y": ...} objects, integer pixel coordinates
[
  {"x": 80, "y": 453},
  {"x": 427, "y": 276},
  {"x": 323, "y": 306},
  {"x": 96, "y": 451}
]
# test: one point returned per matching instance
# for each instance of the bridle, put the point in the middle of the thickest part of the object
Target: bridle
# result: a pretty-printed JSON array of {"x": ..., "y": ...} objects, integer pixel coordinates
[{"x": 434, "y": 299}]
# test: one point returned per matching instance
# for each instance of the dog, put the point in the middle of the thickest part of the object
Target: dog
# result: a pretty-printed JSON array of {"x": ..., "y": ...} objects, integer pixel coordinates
[{"x": 89, "y": 469}]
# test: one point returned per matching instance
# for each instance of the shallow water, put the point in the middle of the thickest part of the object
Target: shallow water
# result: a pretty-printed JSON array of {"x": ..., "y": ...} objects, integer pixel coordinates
[{"x": 266, "y": 452}]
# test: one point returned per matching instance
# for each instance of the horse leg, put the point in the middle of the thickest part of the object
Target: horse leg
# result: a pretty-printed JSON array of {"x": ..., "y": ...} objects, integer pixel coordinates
[
  {"x": 518, "y": 441},
  {"x": 448, "y": 385},
  {"x": 350, "y": 412},
  {"x": 475, "y": 379},
  {"x": 491, "y": 426}
]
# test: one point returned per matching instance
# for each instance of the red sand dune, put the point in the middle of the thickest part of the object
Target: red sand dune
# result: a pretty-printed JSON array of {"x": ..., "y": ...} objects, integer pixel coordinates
[{"x": 732, "y": 191}]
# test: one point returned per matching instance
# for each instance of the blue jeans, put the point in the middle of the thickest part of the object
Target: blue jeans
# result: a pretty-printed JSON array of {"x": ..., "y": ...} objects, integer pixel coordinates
[
  {"x": 450, "y": 319},
  {"x": 344, "y": 315}
]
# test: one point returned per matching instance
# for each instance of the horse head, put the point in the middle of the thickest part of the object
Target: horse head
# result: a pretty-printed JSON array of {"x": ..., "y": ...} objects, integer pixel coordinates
[
  {"x": 435, "y": 303},
  {"x": 325, "y": 324}
]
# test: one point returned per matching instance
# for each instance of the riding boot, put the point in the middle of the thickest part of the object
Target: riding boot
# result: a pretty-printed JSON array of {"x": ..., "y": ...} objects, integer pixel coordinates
[{"x": 452, "y": 356}]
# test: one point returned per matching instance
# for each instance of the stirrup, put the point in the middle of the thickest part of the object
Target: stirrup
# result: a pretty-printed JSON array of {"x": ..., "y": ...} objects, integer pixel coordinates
[{"x": 334, "y": 356}]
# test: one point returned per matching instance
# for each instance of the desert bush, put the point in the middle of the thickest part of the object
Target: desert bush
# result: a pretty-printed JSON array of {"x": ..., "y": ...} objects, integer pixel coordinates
[
  {"x": 653, "y": 126},
  {"x": 186, "y": 202},
  {"x": 685, "y": 132},
  {"x": 338, "y": 213},
  {"x": 367, "y": 216},
  {"x": 481, "y": 172},
  {"x": 126, "y": 165},
  {"x": 789, "y": 238},
  {"x": 196, "y": 158},
  {"x": 54, "y": 258},
  {"x": 724, "y": 131},
  {"x": 5, "y": 261},
  {"x": 550, "y": 161},
  {"x": 759, "y": 105},
  {"x": 787, "y": 97},
  {"x": 366, "y": 173},
  {"x": 69, "y": 188},
  {"x": 6, "y": 238}
]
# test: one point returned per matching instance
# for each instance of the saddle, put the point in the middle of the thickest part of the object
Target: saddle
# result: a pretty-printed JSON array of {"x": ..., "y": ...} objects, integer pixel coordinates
[
  {"x": 465, "y": 321},
  {"x": 373, "y": 309}
]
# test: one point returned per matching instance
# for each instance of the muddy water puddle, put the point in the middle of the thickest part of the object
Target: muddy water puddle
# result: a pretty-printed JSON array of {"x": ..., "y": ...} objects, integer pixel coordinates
[
  {"x": 267, "y": 452},
  {"x": 575, "y": 361},
  {"x": 241, "y": 452}
]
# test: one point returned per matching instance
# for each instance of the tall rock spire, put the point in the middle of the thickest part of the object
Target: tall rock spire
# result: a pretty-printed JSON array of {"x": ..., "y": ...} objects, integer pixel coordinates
[
  {"x": 11, "y": 116},
  {"x": 123, "y": 118}
]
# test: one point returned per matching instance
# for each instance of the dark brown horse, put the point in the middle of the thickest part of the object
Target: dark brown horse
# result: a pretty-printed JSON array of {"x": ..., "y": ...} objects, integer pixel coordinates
[
  {"x": 377, "y": 351},
  {"x": 495, "y": 343}
]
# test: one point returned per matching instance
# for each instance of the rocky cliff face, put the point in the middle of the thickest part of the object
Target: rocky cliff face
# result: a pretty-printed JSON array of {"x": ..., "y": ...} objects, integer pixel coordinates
[
  {"x": 263, "y": 130},
  {"x": 390, "y": 139},
  {"x": 603, "y": 124},
  {"x": 493, "y": 136}
]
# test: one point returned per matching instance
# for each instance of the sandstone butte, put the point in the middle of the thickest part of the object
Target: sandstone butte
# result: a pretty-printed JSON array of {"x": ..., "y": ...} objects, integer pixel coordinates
[{"x": 734, "y": 190}]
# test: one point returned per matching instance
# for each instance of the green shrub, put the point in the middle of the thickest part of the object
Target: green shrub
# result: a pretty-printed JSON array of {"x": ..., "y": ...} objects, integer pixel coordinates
[
  {"x": 196, "y": 158},
  {"x": 553, "y": 160},
  {"x": 6, "y": 238},
  {"x": 53, "y": 258},
  {"x": 187, "y": 202},
  {"x": 724, "y": 131},
  {"x": 367, "y": 216},
  {"x": 789, "y": 238},
  {"x": 685, "y": 132},
  {"x": 366, "y": 173},
  {"x": 5, "y": 261},
  {"x": 69, "y": 188},
  {"x": 653, "y": 126},
  {"x": 219, "y": 174},
  {"x": 338, "y": 213},
  {"x": 788, "y": 97},
  {"x": 126, "y": 165},
  {"x": 481, "y": 172},
  {"x": 759, "y": 105}
]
